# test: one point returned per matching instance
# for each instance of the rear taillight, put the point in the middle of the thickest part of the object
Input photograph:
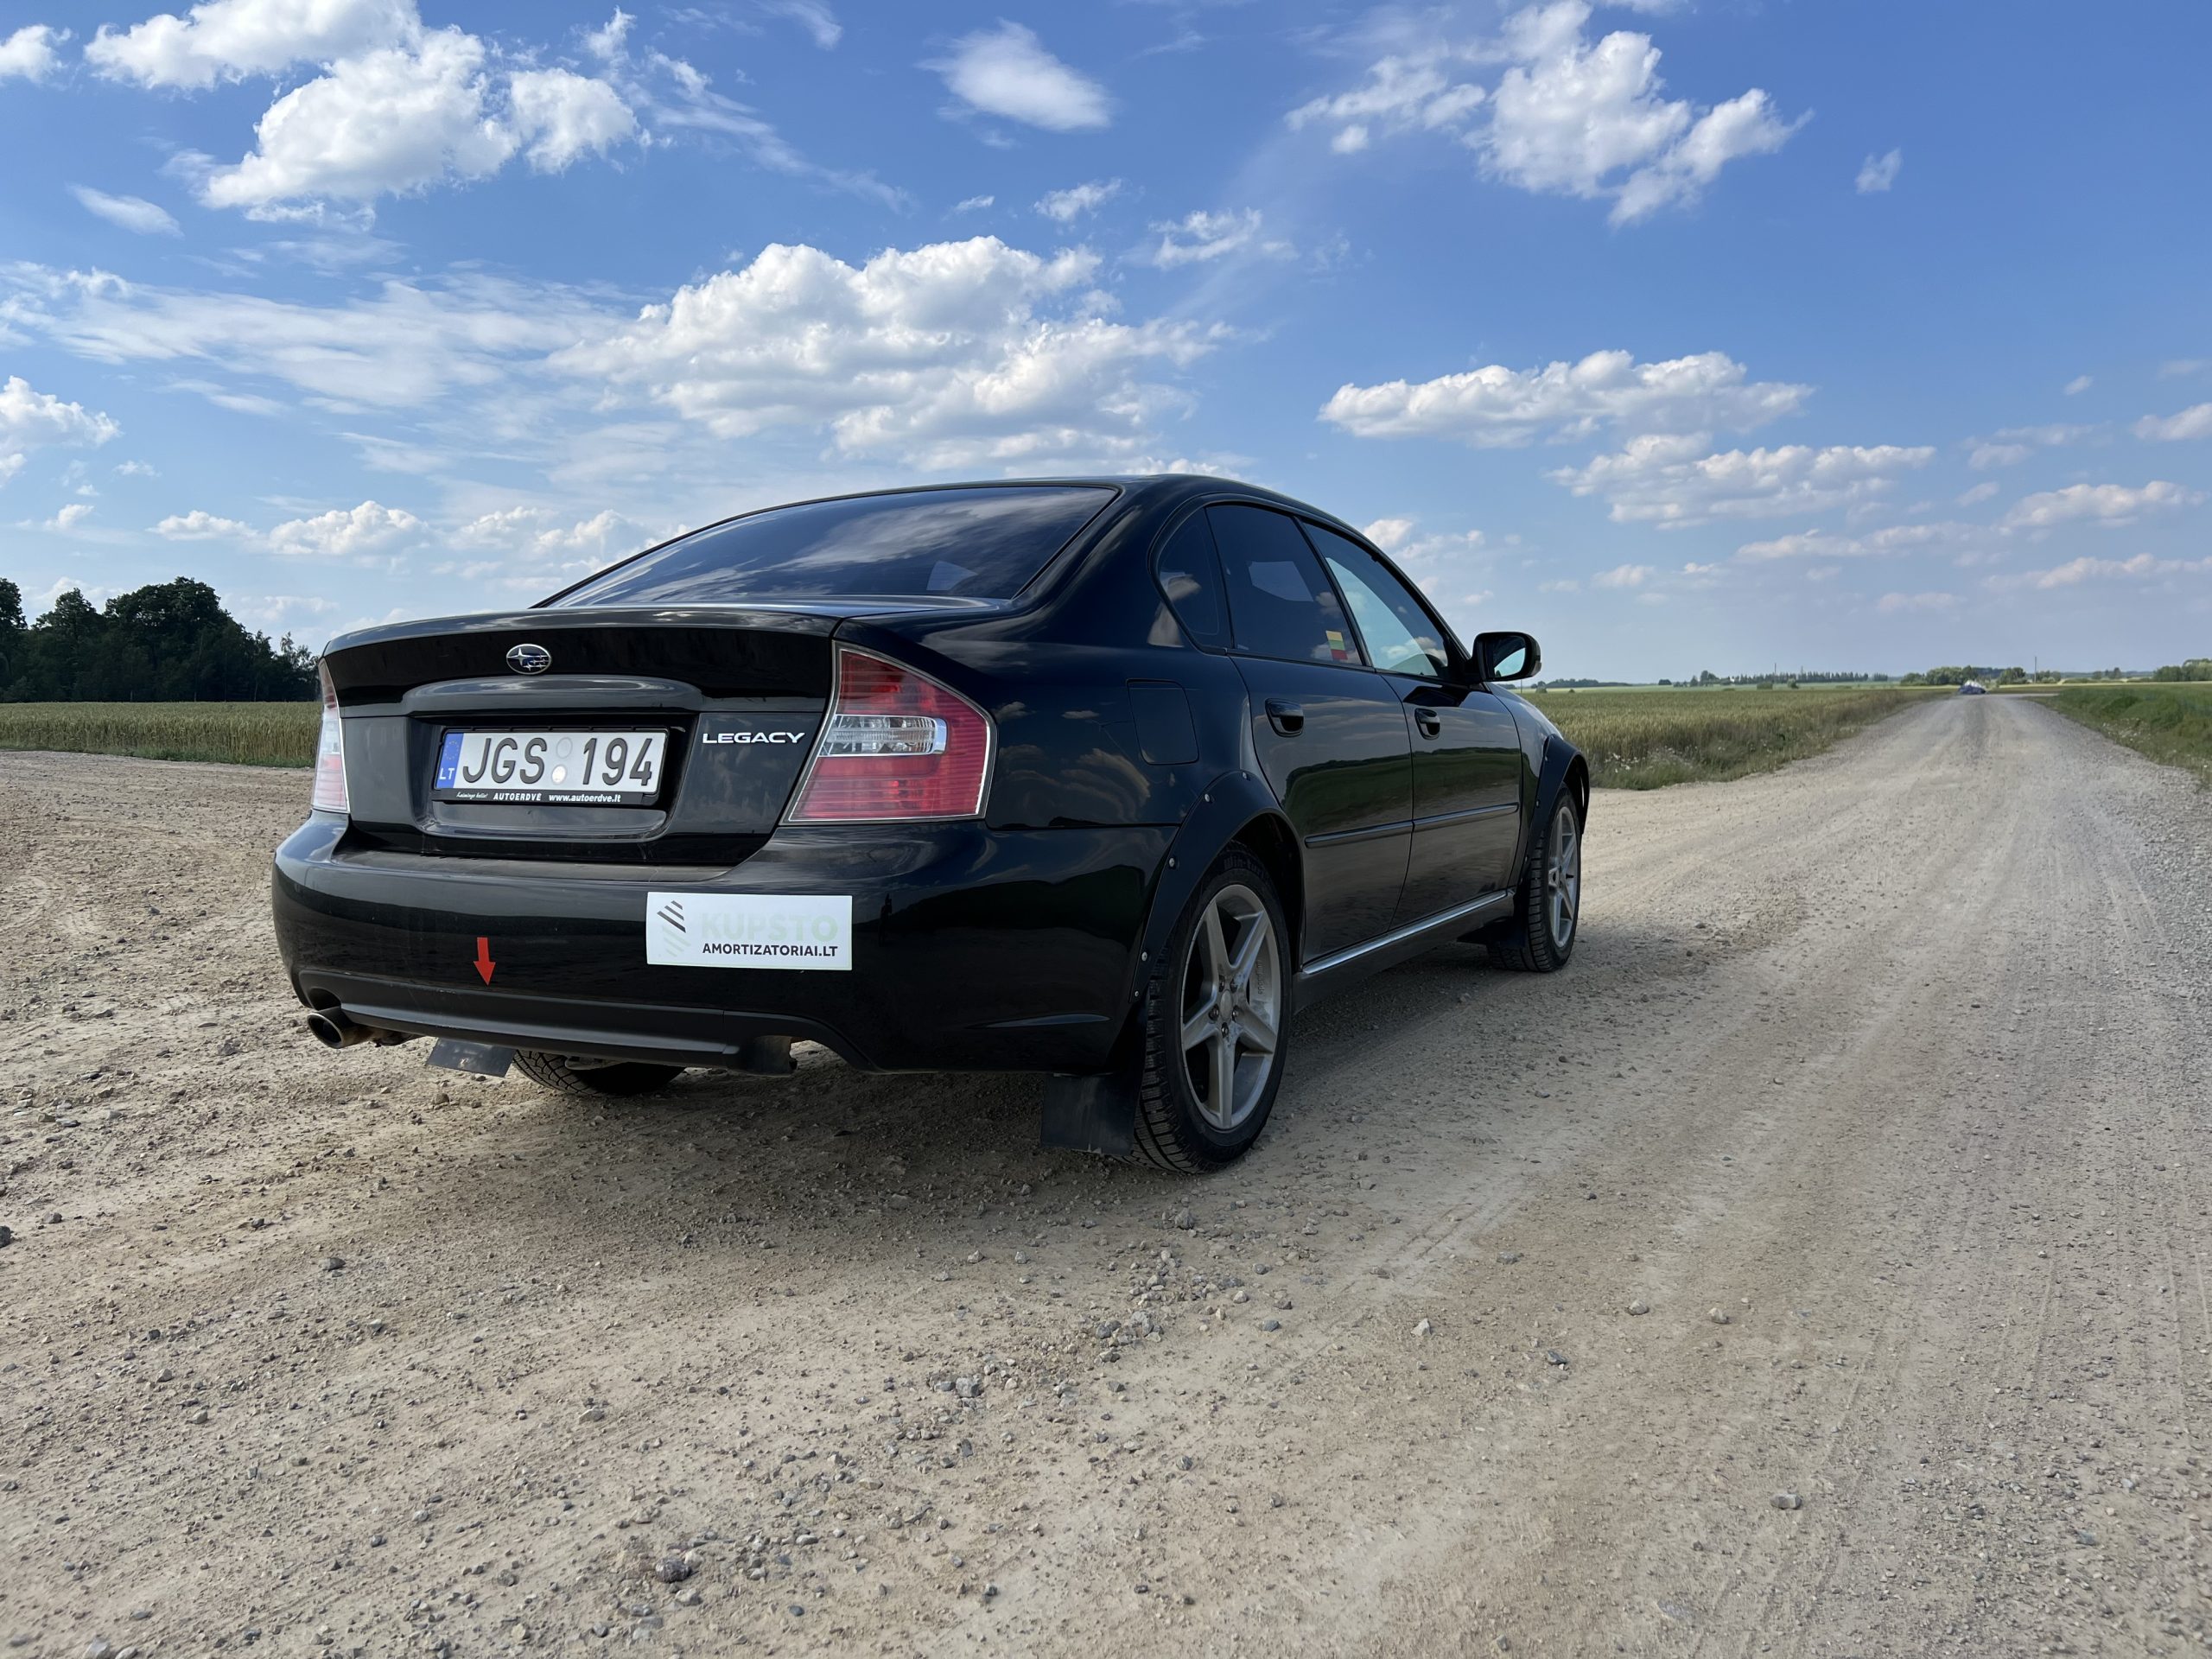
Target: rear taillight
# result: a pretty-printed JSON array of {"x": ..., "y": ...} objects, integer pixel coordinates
[
  {"x": 330, "y": 755},
  {"x": 896, "y": 745}
]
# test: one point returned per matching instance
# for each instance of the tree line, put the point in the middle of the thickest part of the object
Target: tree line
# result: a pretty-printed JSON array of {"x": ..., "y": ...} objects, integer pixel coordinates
[{"x": 166, "y": 642}]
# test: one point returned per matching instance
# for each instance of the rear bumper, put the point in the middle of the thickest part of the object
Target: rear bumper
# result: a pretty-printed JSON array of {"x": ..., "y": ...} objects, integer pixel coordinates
[{"x": 973, "y": 949}]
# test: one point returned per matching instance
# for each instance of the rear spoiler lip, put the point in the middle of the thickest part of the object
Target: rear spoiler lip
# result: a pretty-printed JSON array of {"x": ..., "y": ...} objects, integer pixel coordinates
[{"x": 810, "y": 616}]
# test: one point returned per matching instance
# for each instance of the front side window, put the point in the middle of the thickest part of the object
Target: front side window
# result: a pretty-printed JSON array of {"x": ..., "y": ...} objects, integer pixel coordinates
[
  {"x": 961, "y": 544},
  {"x": 1401, "y": 636},
  {"x": 1280, "y": 604}
]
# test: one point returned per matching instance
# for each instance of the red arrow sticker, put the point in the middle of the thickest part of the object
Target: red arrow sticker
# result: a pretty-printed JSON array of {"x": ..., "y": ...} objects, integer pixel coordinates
[{"x": 483, "y": 962}]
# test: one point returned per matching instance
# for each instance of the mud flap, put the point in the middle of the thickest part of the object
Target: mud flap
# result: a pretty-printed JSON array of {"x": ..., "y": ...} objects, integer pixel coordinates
[
  {"x": 1094, "y": 1111},
  {"x": 482, "y": 1059}
]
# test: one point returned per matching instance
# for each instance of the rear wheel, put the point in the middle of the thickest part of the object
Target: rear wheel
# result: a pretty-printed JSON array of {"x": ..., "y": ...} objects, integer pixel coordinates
[
  {"x": 1215, "y": 1016},
  {"x": 1547, "y": 909},
  {"x": 566, "y": 1074}
]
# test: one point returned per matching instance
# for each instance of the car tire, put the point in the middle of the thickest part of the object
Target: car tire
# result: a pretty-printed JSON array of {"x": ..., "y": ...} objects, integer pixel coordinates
[
  {"x": 559, "y": 1074},
  {"x": 1548, "y": 904},
  {"x": 1222, "y": 987}
]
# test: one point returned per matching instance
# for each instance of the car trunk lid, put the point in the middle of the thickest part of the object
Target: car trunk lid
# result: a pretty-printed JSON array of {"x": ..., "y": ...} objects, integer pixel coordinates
[{"x": 728, "y": 703}]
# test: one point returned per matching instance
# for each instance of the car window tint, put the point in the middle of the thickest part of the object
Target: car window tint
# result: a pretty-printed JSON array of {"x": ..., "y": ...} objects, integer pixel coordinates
[
  {"x": 978, "y": 543},
  {"x": 1191, "y": 578},
  {"x": 1400, "y": 636},
  {"x": 1280, "y": 604}
]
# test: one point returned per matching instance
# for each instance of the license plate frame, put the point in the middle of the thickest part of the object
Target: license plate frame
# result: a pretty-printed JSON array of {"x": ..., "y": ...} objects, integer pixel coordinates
[{"x": 541, "y": 752}]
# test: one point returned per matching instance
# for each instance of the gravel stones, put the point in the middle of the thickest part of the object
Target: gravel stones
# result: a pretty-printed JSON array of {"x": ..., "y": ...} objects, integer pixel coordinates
[{"x": 1788, "y": 1501}]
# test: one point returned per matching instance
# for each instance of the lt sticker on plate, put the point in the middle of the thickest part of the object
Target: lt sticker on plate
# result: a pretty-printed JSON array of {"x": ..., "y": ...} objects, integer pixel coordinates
[{"x": 750, "y": 929}]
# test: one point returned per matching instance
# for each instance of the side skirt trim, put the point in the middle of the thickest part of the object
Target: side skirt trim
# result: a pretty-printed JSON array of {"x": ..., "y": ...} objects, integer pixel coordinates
[{"x": 1457, "y": 917}]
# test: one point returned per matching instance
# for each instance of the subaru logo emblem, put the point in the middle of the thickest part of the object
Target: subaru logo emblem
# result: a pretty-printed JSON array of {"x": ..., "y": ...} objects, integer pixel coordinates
[{"x": 529, "y": 659}]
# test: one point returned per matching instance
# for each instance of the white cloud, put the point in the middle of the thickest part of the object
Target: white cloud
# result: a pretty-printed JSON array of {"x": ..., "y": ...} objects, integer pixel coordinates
[
  {"x": 2075, "y": 571},
  {"x": 950, "y": 353},
  {"x": 1390, "y": 534},
  {"x": 973, "y": 204},
  {"x": 1625, "y": 576},
  {"x": 561, "y": 117},
  {"x": 1400, "y": 94},
  {"x": 1979, "y": 493},
  {"x": 29, "y": 53},
  {"x": 31, "y": 420},
  {"x": 1495, "y": 406},
  {"x": 2016, "y": 443},
  {"x": 2174, "y": 368},
  {"x": 202, "y": 526},
  {"x": 69, "y": 517},
  {"x": 540, "y": 531},
  {"x": 403, "y": 345},
  {"x": 279, "y": 612},
  {"x": 1666, "y": 481},
  {"x": 131, "y": 213},
  {"x": 1434, "y": 560},
  {"x": 1007, "y": 71},
  {"x": 812, "y": 15},
  {"x": 2195, "y": 422},
  {"x": 1069, "y": 205},
  {"x": 1823, "y": 544},
  {"x": 227, "y": 40},
  {"x": 2079, "y": 384},
  {"x": 2103, "y": 504},
  {"x": 1745, "y": 125},
  {"x": 1568, "y": 116},
  {"x": 540, "y": 550},
  {"x": 1878, "y": 173},
  {"x": 346, "y": 533},
  {"x": 385, "y": 123},
  {"x": 1199, "y": 236}
]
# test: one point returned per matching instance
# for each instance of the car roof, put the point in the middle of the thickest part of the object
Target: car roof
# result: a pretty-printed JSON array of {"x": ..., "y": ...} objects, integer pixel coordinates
[{"x": 1156, "y": 490}]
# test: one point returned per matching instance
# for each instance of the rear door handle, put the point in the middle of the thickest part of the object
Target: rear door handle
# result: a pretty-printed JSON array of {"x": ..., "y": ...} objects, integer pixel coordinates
[
  {"x": 1285, "y": 716},
  {"x": 1429, "y": 721}
]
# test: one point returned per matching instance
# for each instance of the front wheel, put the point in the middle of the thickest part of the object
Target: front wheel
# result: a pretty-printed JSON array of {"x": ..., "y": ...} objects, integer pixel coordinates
[
  {"x": 1216, "y": 1015},
  {"x": 1547, "y": 908},
  {"x": 563, "y": 1074}
]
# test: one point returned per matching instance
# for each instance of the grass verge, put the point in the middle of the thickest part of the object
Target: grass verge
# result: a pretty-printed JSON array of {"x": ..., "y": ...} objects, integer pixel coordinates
[
  {"x": 2169, "y": 722},
  {"x": 1639, "y": 739},
  {"x": 245, "y": 734},
  {"x": 1648, "y": 739}
]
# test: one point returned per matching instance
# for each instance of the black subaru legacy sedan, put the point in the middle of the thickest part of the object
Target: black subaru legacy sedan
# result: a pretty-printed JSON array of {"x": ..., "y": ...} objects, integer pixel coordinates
[{"x": 1102, "y": 778}]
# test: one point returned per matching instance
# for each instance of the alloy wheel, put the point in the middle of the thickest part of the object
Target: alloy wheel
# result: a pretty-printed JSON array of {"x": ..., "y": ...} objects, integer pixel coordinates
[
  {"x": 1563, "y": 876},
  {"x": 1231, "y": 1006}
]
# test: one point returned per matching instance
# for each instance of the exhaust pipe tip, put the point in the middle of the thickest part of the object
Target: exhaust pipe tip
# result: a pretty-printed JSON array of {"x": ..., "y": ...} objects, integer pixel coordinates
[{"x": 330, "y": 1027}]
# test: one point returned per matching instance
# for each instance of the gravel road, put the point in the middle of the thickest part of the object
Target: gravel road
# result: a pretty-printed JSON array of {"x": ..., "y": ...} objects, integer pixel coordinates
[{"x": 1819, "y": 1267}]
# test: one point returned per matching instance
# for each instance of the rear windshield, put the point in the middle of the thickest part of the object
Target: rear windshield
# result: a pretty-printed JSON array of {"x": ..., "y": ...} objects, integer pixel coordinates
[{"x": 979, "y": 543}]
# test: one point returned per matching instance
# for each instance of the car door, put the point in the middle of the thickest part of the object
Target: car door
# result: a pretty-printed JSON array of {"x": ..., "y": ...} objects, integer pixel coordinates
[
  {"x": 1467, "y": 748},
  {"x": 1328, "y": 732}
]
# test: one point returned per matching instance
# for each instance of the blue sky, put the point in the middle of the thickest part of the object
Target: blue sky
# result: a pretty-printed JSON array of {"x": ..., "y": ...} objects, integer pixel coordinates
[{"x": 1685, "y": 333}]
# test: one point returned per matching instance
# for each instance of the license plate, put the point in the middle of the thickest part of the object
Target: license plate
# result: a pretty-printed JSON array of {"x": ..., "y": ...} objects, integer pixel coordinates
[{"x": 551, "y": 768}]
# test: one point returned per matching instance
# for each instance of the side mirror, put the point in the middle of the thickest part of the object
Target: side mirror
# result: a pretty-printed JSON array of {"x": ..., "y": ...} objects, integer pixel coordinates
[{"x": 1508, "y": 655}]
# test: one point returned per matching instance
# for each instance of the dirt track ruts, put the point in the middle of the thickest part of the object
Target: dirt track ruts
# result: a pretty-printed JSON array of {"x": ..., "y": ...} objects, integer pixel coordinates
[{"x": 1898, "y": 1058}]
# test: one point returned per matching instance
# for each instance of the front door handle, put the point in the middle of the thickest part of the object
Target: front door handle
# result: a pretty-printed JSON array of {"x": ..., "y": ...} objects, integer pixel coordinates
[
  {"x": 1285, "y": 716},
  {"x": 1429, "y": 721}
]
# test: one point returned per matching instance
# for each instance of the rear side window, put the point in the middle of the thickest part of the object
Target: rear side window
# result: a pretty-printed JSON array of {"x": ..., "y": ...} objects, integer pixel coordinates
[
  {"x": 1280, "y": 604},
  {"x": 1400, "y": 636},
  {"x": 1190, "y": 577},
  {"x": 980, "y": 544}
]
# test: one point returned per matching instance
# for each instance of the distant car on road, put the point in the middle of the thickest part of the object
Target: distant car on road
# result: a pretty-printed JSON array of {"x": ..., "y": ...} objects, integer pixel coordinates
[
  {"x": 1099, "y": 777},
  {"x": 1973, "y": 689}
]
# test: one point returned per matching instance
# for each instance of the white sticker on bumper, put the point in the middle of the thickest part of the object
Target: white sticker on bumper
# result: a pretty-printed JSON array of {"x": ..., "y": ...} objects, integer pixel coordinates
[{"x": 807, "y": 931}]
